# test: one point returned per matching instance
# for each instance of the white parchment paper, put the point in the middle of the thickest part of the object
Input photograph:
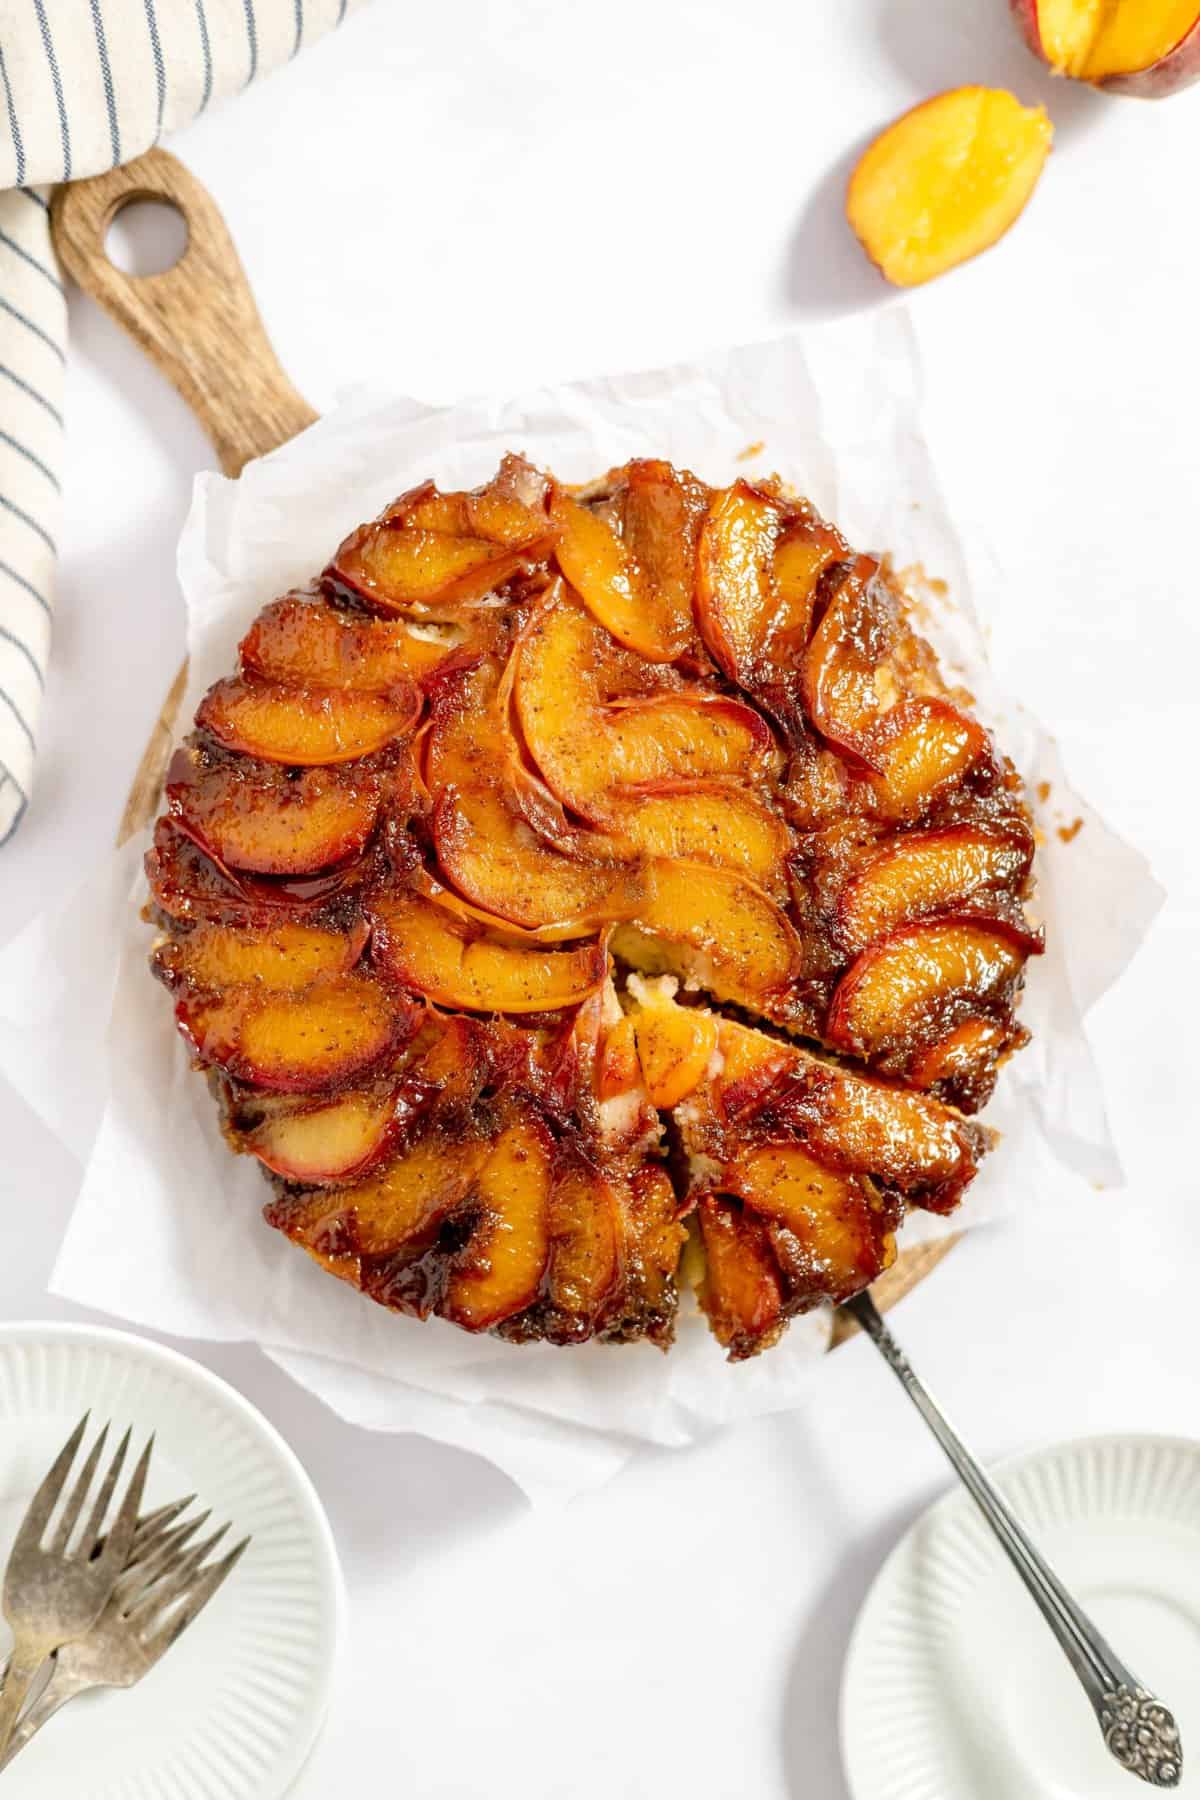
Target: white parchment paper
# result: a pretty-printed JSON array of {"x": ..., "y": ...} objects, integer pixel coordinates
[{"x": 166, "y": 1231}]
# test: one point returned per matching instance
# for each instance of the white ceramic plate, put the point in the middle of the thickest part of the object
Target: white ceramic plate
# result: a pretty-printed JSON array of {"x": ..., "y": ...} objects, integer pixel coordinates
[
  {"x": 954, "y": 1688},
  {"x": 233, "y": 1709}
]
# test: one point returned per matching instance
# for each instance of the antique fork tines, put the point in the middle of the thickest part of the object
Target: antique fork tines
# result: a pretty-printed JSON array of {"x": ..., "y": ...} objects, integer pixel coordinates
[
  {"x": 54, "y": 1593},
  {"x": 165, "y": 1586},
  {"x": 1138, "y": 1729}
]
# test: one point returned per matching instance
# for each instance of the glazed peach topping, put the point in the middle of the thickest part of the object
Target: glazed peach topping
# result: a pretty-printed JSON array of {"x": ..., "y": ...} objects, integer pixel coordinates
[{"x": 568, "y": 873}]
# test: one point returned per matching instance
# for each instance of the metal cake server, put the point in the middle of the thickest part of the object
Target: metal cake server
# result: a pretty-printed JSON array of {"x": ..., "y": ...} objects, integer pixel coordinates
[{"x": 1138, "y": 1729}]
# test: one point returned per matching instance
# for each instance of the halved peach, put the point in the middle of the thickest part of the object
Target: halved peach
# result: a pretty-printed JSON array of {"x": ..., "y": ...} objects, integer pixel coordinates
[
  {"x": 925, "y": 872},
  {"x": 261, "y": 820},
  {"x": 306, "y": 726},
  {"x": 856, "y": 632},
  {"x": 325, "y": 1144},
  {"x": 844, "y": 1236},
  {"x": 920, "y": 969},
  {"x": 404, "y": 568},
  {"x": 283, "y": 957},
  {"x": 675, "y": 1044},
  {"x": 296, "y": 1043},
  {"x": 714, "y": 927},
  {"x": 500, "y": 1270},
  {"x": 946, "y": 180},
  {"x": 1149, "y": 48},
  {"x": 646, "y": 605},
  {"x": 918, "y": 750},
  {"x": 742, "y": 1290},
  {"x": 428, "y": 948},
  {"x": 707, "y": 821},
  {"x": 304, "y": 640},
  {"x": 590, "y": 739},
  {"x": 586, "y": 1239}
]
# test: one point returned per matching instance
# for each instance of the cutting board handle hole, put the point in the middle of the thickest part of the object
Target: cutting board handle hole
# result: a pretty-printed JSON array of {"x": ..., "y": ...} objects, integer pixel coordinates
[{"x": 146, "y": 236}]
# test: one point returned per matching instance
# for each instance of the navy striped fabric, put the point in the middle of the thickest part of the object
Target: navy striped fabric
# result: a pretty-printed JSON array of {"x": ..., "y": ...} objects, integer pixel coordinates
[{"x": 84, "y": 85}]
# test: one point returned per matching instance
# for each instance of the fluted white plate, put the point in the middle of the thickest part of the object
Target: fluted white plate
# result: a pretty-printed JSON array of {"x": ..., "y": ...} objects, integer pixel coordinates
[
  {"x": 234, "y": 1707},
  {"x": 954, "y": 1688}
]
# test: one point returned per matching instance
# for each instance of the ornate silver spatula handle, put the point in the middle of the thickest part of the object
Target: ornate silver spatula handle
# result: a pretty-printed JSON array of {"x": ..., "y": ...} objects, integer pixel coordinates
[{"x": 1138, "y": 1729}]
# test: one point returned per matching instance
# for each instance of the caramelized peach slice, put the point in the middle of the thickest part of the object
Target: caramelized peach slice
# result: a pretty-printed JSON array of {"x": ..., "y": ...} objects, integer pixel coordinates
[
  {"x": 675, "y": 1044},
  {"x": 946, "y": 181},
  {"x": 902, "y": 1139},
  {"x": 487, "y": 846},
  {"x": 590, "y": 740},
  {"x": 296, "y": 1043},
  {"x": 654, "y": 1236},
  {"x": 403, "y": 568},
  {"x": 1150, "y": 48},
  {"x": 759, "y": 564},
  {"x": 708, "y": 821},
  {"x": 258, "y": 819},
  {"x": 500, "y": 1271},
  {"x": 714, "y": 927},
  {"x": 962, "y": 1066},
  {"x": 303, "y": 726},
  {"x": 661, "y": 513},
  {"x": 925, "y": 872},
  {"x": 322, "y": 1144},
  {"x": 742, "y": 1290},
  {"x": 282, "y": 957},
  {"x": 301, "y": 639},
  {"x": 921, "y": 968},
  {"x": 857, "y": 631},
  {"x": 921, "y": 748},
  {"x": 427, "y": 948},
  {"x": 652, "y": 617},
  {"x": 842, "y": 1235},
  {"x": 509, "y": 510},
  {"x": 488, "y": 852},
  {"x": 586, "y": 1233}
]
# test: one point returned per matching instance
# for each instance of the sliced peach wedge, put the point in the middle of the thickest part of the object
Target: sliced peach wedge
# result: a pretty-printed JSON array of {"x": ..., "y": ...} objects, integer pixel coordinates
[
  {"x": 254, "y": 817},
  {"x": 306, "y": 726},
  {"x": 919, "y": 749},
  {"x": 304, "y": 640},
  {"x": 742, "y": 1289},
  {"x": 760, "y": 561},
  {"x": 947, "y": 180},
  {"x": 715, "y": 928},
  {"x": 1148, "y": 48},
  {"x": 597, "y": 720},
  {"x": 430, "y": 549},
  {"x": 842, "y": 1234},
  {"x": 924, "y": 972},
  {"x": 586, "y": 1227},
  {"x": 639, "y": 585},
  {"x": 925, "y": 872},
  {"x": 486, "y": 845},
  {"x": 675, "y": 1044},
  {"x": 710, "y": 822},
  {"x": 432, "y": 950},
  {"x": 314, "y": 1145},
  {"x": 499, "y": 1272},
  {"x": 855, "y": 635},
  {"x": 320, "y": 1037},
  {"x": 282, "y": 957}
]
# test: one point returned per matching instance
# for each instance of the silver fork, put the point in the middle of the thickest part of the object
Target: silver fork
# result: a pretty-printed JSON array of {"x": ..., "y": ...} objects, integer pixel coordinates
[
  {"x": 162, "y": 1590},
  {"x": 1138, "y": 1729},
  {"x": 55, "y": 1592}
]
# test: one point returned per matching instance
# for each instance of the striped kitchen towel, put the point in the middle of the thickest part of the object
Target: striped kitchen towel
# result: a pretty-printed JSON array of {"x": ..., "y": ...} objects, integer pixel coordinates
[{"x": 84, "y": 85}]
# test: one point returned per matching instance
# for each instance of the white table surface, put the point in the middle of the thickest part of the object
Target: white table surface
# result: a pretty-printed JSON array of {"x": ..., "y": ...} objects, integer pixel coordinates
[{"x": 481, "y": 195}]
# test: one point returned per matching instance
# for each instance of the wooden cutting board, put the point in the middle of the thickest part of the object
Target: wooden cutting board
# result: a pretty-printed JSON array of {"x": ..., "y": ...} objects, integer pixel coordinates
[{"x": 198, "y": 322}]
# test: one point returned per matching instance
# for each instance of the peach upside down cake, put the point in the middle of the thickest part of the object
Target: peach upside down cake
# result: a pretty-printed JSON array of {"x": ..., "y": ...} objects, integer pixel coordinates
[{"x": 569, "y": 875}]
